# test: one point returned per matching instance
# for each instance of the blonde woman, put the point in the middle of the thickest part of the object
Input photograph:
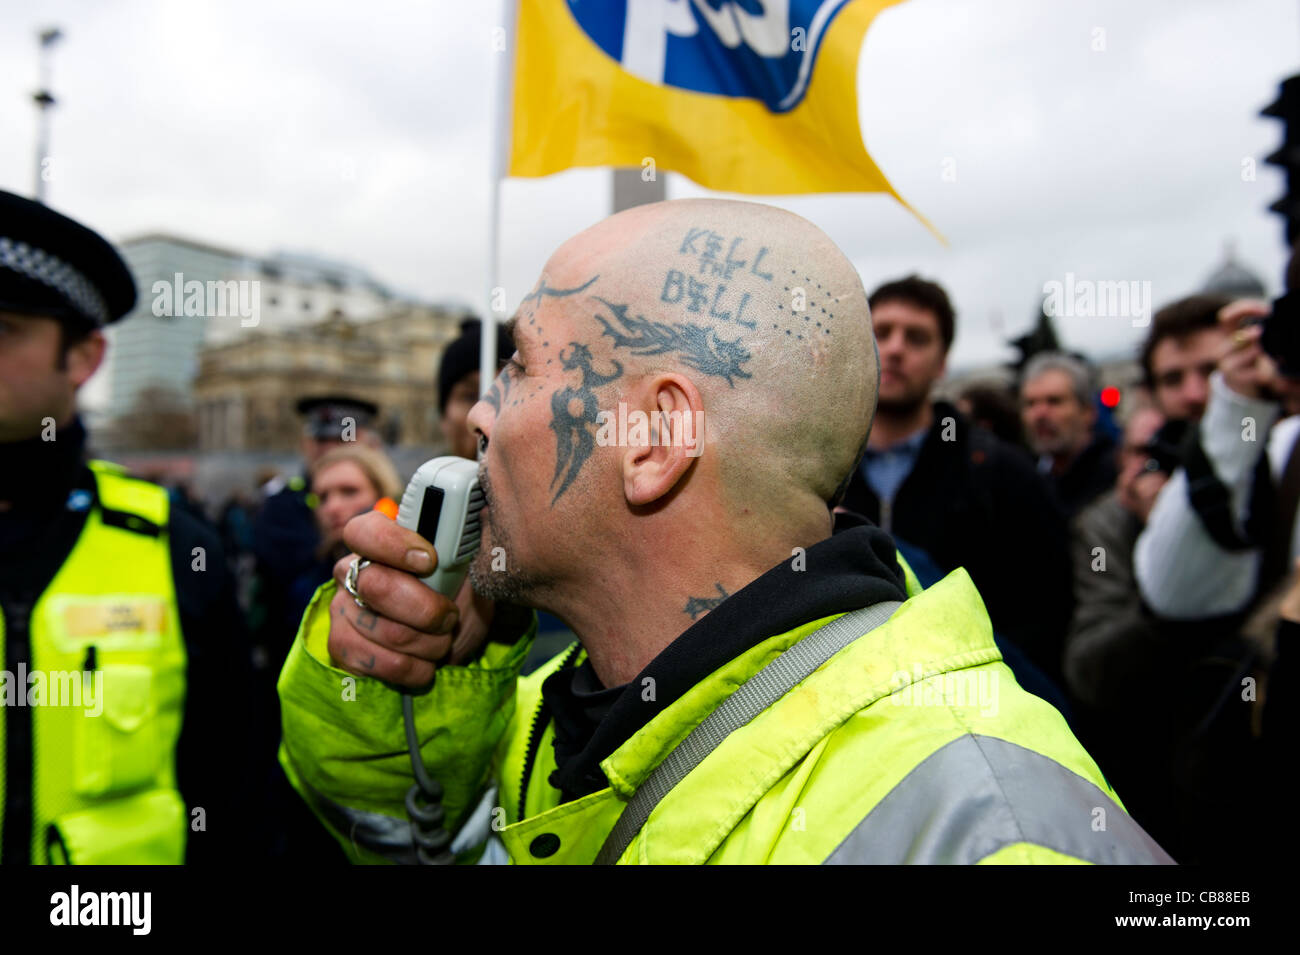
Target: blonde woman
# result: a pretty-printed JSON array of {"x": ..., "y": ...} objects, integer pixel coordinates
[{"x": 347, "y": 481}]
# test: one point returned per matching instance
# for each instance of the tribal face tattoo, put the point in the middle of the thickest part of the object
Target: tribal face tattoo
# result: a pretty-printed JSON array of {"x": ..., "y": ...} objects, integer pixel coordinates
[{"x": 573, "y": 415}]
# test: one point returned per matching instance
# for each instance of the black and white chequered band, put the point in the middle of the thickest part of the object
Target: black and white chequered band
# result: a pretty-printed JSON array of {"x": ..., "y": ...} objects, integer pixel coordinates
[{"x": 52, "y": 271}]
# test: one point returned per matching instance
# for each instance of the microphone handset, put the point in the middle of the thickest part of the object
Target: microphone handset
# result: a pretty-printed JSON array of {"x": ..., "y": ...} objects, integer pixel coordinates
[{"x": 442, "y": 504}]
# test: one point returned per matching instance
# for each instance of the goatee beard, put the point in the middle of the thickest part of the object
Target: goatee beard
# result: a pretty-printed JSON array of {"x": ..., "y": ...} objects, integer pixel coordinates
[
  {"x": 508, "y": 584},
  {"x": 901, "y": 407}
]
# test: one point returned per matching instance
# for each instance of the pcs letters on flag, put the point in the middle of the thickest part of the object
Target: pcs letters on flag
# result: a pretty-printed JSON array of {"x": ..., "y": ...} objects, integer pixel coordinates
[{"x": 748, "y": 96}]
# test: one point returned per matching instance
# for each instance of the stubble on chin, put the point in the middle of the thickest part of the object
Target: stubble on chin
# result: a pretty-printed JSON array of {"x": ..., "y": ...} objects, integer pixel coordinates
[
  {"x": 503, "y": 582},
  {"x": 901, "y": 406}
]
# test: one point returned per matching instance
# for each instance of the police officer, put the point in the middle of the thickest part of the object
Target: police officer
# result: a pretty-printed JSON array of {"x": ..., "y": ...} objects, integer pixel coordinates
[
  {"x": 285, "y": 543},
  {"x": 123, "y": 657},
  {"x": 285, "y": 535}
]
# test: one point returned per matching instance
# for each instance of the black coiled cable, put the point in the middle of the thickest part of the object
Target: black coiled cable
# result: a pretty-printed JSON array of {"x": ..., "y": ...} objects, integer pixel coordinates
[{"x": 424, "y": 802}]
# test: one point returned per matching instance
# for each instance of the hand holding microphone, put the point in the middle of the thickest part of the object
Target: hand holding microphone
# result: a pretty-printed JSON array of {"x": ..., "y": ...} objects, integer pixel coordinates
[
  {"x": 403, "y": 620},
  {"x": 406, "y": 626}
]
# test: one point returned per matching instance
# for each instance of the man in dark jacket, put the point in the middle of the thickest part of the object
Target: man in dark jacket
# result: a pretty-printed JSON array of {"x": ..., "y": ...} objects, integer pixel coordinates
[
  {"x": 1056, "y": 399},
  {"x": 285, "y": 535},
  {"x": 285, "y": 539},
  {"x": 940, "y": 484}
]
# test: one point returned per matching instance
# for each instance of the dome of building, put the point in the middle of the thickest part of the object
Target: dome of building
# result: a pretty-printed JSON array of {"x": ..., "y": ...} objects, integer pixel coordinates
[{"x": 1233, "y": 279}]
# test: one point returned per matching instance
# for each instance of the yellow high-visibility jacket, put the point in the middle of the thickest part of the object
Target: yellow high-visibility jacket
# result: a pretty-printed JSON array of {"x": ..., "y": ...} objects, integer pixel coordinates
[
  {"x": 913, "y": 744},
  {"x": 103, "y": 687}
]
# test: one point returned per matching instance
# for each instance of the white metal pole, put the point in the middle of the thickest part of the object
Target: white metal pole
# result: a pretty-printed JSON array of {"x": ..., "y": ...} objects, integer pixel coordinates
[
  {"x": 498, "y": 147},
  {"x": 44, "y": 100}
]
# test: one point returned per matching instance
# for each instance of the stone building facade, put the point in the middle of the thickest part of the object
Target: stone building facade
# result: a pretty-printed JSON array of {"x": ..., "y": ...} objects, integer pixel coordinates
[{"x": 246, "y": 390}]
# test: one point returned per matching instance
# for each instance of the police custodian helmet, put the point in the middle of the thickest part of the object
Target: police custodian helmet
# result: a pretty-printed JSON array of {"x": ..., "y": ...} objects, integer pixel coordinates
[{"x": 54, "y": 267}]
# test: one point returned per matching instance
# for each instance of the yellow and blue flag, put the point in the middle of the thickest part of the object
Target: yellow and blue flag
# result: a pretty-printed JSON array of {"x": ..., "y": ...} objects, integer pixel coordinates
[{"x": 749, "y": 96}]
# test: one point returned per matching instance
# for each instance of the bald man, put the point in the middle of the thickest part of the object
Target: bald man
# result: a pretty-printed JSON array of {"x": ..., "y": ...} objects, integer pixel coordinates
[{"x": 751, "y": 684}]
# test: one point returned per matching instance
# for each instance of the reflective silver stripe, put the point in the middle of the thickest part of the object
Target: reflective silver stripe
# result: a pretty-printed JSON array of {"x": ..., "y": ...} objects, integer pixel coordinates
[
  {"x": 979, "y": 794},
  {"x": 477, "y": 828},
  {"x": 372, "y": 831}
]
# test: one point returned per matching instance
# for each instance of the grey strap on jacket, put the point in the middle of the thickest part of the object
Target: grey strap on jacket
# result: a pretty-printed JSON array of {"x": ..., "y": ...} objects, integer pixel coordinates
[{"x": 758, "y": 693}]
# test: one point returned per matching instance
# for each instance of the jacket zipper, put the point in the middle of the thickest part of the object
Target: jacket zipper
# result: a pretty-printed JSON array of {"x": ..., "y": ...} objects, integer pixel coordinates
[{"x": 535, "y": 733}]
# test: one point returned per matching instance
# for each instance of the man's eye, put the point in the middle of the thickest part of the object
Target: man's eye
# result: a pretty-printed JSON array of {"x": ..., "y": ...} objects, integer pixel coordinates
[{"x": 514, "y": 367}]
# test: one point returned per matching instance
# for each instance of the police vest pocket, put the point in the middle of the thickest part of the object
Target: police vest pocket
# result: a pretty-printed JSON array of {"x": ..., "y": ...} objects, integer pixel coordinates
[
  {"x": 147, "y": 828},
  {"x": 120, "y": 749}
]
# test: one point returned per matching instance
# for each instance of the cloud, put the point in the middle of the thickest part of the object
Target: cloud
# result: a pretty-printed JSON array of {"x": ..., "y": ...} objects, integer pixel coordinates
[{"x": 361, "y": 131}]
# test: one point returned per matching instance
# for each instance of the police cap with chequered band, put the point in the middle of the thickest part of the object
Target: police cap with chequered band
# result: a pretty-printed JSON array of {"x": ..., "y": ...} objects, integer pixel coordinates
[
  {"x": 54, "y": 267},
  {"x": 325, "y": 416}
]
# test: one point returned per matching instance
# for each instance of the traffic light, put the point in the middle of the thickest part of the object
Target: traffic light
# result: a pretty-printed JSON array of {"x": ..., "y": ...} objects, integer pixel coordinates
[{"x": 1287, "y": 108}]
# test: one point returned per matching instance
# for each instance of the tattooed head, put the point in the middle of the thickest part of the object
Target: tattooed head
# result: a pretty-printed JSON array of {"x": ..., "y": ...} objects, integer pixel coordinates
[{"x": 745, "y": 317}]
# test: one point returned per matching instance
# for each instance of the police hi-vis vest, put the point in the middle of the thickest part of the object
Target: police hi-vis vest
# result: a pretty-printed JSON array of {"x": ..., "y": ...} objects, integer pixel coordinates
[
  {"x": 105, "y": 686},
  {"x": 912, "y": 744}
]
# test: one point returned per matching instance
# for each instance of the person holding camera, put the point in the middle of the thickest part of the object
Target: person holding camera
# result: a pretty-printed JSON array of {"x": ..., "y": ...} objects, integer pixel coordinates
[
  {"x": 1177, "y": 359},
  {"x": 1223, "y": 530},
  {"x": 1141, "y": 686},
  {"x": 1162, "y": 679}
]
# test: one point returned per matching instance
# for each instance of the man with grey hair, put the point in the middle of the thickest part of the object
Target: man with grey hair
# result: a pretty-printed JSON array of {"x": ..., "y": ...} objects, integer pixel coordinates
[{"x": 1060, "y": 419}]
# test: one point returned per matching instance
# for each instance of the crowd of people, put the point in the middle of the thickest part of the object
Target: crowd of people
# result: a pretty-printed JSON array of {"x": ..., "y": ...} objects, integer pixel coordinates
[
  {"x": 1142, "y": 586},
  {"x": 288, "y": 542},
  {"x": 1152, "y": 635}
]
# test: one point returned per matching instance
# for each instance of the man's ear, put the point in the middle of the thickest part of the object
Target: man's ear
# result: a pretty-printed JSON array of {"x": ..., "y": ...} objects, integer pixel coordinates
[
  {"x": 84, "y": 357},
  {"x": 665, "y": 434}
]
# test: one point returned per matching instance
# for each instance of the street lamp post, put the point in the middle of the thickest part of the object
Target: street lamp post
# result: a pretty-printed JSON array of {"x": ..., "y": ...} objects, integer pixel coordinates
[{"x": 44, "y": 100}]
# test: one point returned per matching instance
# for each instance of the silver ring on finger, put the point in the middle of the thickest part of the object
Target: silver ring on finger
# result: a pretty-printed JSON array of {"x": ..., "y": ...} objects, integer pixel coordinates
[{"x": 350, "y": 581}]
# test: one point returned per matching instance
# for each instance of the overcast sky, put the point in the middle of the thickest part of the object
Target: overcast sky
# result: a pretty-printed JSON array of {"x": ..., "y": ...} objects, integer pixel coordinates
[{"x": 360, "y": 131}]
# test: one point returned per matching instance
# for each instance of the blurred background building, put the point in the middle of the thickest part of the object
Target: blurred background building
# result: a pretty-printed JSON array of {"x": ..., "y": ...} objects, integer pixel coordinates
[
  {"x": 153, "y": 358},
  {"x": 209, "y": 400},
  {"x": 246, "y": 389},
  {"x": 1232, "y": 278}
]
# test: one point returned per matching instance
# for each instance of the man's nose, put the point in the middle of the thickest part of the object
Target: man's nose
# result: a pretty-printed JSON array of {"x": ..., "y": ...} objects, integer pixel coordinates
[{"x": 480, "y": 418}]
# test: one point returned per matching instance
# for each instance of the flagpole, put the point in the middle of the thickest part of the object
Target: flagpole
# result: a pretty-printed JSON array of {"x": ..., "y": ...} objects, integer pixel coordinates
[{"x": 497, "y": 147}]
